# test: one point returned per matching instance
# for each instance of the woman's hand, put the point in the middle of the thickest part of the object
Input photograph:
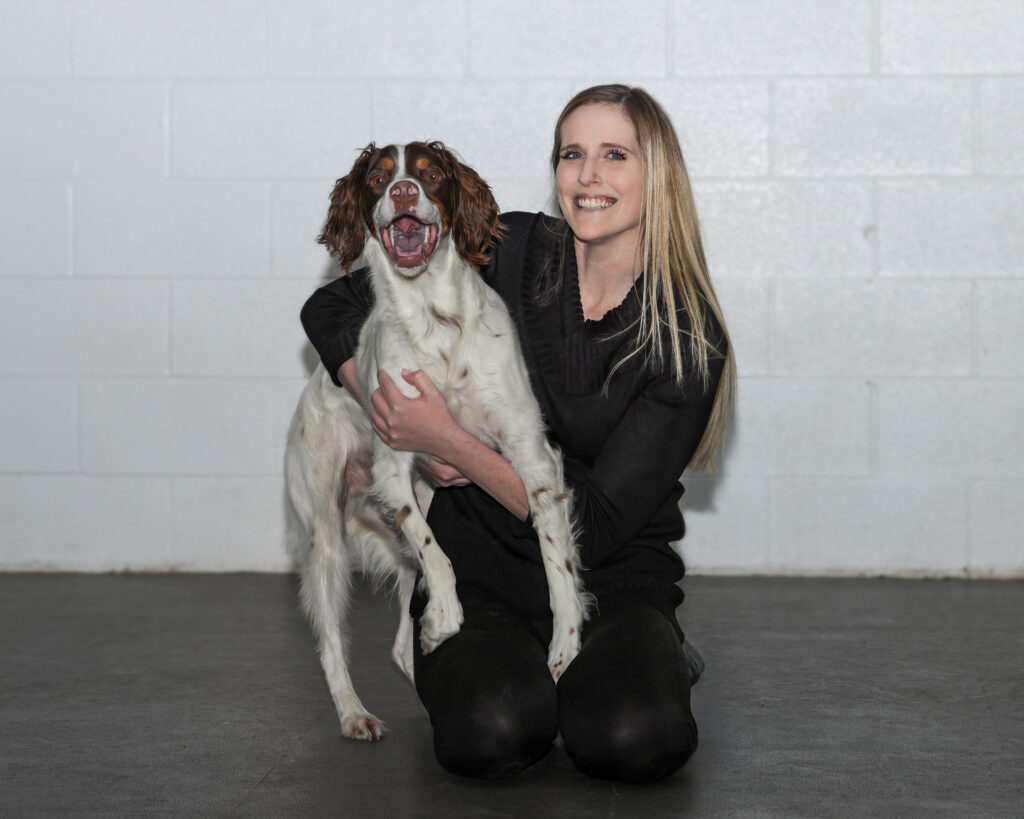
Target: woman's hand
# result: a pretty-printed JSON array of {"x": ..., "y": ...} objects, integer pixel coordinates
[
  {"x": 439, "y": 473},
  {"x": 418, "y": 424}
]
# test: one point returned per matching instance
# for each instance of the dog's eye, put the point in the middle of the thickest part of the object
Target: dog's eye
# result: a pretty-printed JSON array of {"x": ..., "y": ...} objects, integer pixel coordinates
[
  {"x": 377, "y": 180},
  {"x": 433, "y": 176}
]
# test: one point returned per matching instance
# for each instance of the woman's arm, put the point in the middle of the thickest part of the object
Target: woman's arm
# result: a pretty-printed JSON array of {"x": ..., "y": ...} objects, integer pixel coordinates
[
  {"x": 333, "y": 316},
  {"x": 423, "y": 424}
]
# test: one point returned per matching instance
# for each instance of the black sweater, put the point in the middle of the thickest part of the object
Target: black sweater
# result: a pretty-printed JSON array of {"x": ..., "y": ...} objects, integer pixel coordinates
[{"x": 624, "y": 450}]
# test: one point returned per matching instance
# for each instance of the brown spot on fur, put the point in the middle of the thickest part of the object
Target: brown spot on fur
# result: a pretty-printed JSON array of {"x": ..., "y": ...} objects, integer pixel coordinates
[
  {"x": 387, "y": 162},
  {"x": 428, "y": 541},
  {"x": 402, "y": 514},
  {"x": 445, "y": 319},
  {"x": 568, "y": 565},
  {"x": 422, "y": 162},
  {"x": 302, "y": 431},
  {"x": 572, "y": 631},
  {"x": 464, "y": 373},
  {"x": 562, "y": 497},
  {"x": 539, "y": 492}
]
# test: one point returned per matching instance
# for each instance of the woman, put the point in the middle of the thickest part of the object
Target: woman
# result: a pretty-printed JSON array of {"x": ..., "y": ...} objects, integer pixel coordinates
[{"x": 630, "y": 360}]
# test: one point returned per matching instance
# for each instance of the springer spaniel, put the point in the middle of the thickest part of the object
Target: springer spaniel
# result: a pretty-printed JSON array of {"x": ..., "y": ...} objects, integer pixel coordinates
[{"x": 423, "y": 222}]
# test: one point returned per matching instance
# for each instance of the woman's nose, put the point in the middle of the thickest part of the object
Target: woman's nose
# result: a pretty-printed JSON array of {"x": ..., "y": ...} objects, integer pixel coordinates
[{"x": 589, "y": 172}]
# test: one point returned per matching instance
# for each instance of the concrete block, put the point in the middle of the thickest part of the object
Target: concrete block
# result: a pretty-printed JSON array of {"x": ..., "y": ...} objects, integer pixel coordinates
[
  {"x": 75, "y": 327},
  {"x": 951, "y": 37},
  {"x": 800, "y": 427},
  {"x": 1001, "y": 126},
  {"x": 104, "y": 523},
  {"x": 996, "y": 521},
  {"x": 35, "y": 39},
  {"x": 938, "y": 428},
  {"x": 543, "y": 39},
  {"x": 36, "y": 141},
  {"x": 524, "y": 194},
  {"x": 963, "y": 228},
  {"x": 227, "y": 524},
  {"x": 270, "y": 129},
  {"x": 863, "y": 328},
  {"x": 787, "y": 228},
  {"x": 793, "y": 37},
  {"x": 316, "y": 38},
  {"x": 38, "y": 425},
  {"x": 866, "y": 526},
  {"x": 284, "y": 399},
  {"x": 727, "y": 525},
  {"x": 234, "y": 329},
  {"x": 722, "y": 125},
  {"x": 474, "y": 118},
  {"x": 298, "y": 211},
  {"x": 154, "y": 38},
  {"x": 747, "y": 307},
  {"x": 876, "y": 128},
  {"x": 176, "y": 427},
  {"x": 34, "y": 228},
  {"x": 1000, "y": 333},
  {"x": 172, "y": 228},
  {"x": 60, "y": 130}
]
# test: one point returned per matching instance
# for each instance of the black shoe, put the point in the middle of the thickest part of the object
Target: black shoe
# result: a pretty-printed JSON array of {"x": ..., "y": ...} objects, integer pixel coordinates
[{"x": 694, "y": 661}]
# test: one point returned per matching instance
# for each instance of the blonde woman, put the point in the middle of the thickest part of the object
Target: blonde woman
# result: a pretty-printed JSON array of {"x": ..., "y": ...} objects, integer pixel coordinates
[{"x": 630, "y": 360}]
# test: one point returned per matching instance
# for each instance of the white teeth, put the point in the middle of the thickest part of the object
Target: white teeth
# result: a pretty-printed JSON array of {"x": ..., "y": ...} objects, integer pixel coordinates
[{"x": 589, "y": 203}]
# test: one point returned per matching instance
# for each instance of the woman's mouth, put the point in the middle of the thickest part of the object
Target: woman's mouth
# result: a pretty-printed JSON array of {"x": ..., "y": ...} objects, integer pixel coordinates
[{"x": 594, "y": 202}]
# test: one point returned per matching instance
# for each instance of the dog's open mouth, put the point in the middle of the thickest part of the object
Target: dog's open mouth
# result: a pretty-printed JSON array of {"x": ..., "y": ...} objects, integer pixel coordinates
[{"x": 408, "y": 241}]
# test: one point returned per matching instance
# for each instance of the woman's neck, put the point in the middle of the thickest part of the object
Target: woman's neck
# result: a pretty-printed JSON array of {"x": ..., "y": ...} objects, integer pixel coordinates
[{"x": 606, "y": 275}]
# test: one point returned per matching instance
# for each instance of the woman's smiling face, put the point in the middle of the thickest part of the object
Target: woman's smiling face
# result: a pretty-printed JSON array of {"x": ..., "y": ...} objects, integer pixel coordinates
[{"x": 599, "y": 179}]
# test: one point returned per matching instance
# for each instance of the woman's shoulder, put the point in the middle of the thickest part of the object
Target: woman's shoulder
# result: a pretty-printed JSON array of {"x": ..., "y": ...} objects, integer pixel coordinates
[{"x": 523, "y": 225}]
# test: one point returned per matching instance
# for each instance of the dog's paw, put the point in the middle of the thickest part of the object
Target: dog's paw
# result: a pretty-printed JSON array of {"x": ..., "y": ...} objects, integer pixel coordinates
[
  {"x": 362, "y": 726},
  {"x": 439, "y": 621},
  {"x": 565, "y": 645}
]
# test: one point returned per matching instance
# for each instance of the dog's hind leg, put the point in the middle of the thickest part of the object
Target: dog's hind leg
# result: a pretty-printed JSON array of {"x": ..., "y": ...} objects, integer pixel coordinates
[{"x": 326, "y": 579}]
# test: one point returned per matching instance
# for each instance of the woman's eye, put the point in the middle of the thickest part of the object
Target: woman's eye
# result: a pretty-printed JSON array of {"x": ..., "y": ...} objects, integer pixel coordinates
[
  {"x": 570, "y": 153},
  {"x": 618, "y": 156}
]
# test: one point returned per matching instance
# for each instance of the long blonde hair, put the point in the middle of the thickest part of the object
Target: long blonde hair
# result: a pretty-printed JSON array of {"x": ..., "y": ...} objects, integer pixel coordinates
[{"x": 675, "y": 272}]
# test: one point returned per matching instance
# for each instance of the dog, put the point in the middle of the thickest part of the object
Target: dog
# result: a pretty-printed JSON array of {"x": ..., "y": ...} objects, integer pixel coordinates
[{"x": 422, "y": 221}]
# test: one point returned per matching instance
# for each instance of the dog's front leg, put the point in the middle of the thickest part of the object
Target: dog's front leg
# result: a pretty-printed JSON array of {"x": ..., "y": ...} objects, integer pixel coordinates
[
  {"x": 392, "y": 487},
  {"x": 540, "y": 469}
]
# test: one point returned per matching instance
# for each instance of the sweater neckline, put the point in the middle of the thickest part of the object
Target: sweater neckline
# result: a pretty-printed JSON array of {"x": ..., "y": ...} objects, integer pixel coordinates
[{"x": 614, "y": 318}]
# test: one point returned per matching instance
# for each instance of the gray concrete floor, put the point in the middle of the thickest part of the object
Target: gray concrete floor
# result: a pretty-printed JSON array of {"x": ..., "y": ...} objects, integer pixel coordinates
[{"x": 199, "y": 695}]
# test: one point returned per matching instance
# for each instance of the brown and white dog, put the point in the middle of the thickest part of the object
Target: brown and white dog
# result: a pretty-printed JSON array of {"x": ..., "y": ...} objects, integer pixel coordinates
[{"x": 422, "y": 221}]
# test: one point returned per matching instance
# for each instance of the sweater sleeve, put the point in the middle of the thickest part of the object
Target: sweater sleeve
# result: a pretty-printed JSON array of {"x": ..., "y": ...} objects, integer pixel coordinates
[
  {"x": 333, "y": 316},
  {"x": 633, "y": 485}
]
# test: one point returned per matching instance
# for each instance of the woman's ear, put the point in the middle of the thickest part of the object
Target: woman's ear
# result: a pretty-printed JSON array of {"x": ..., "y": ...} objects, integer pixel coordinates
[{"x": 344, "y": 230}]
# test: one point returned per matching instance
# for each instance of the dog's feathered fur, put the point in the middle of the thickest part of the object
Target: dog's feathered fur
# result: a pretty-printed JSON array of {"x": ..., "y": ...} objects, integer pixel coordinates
[{"x": 423, "y": 222}]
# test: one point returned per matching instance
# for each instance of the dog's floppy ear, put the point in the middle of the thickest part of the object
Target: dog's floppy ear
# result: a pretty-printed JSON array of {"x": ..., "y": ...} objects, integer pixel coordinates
[
  {"x": 344, "y": 231},
  {"x": 475, "y": 216}
]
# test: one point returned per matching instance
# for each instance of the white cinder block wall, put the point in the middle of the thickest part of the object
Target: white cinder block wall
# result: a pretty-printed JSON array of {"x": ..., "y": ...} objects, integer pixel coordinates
[{"x": 165, "y": 166}]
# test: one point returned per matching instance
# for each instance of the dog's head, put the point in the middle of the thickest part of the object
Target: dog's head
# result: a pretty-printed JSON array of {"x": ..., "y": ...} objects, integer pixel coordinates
[{"x": 410, "y": 198}]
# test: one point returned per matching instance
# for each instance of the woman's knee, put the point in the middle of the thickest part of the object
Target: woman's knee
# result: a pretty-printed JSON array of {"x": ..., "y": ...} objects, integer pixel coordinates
[
  {"x": 641, "y": 744},
  {"x": 494, "y": 737}
]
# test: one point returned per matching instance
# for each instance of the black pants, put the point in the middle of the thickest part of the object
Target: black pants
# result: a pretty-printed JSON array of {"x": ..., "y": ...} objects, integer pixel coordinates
[{"x": 622, "y": 707}]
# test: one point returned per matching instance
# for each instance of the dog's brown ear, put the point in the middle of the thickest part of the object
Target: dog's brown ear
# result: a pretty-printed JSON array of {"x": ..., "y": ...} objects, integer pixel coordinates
[
  {"x": 475, "y": 223},
  {"x": 344, "y": 231}
]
